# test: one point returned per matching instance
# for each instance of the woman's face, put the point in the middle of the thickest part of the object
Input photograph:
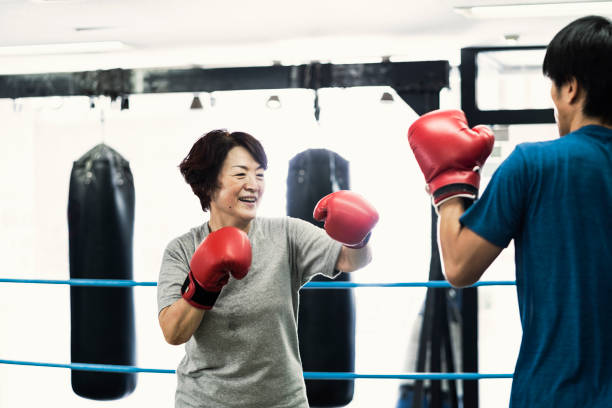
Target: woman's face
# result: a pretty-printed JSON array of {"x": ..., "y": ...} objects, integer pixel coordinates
[{"x": 240, "y": 189}]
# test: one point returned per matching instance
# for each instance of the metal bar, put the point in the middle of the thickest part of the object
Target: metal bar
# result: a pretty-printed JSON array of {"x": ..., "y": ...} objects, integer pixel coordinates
[{"x": 420, "y": 76}]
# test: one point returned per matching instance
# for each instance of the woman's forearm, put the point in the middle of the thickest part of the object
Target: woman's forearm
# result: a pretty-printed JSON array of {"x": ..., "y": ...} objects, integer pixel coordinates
[
  {"x": 352, "y": 259},
  {"x": 179, "y": 321}
]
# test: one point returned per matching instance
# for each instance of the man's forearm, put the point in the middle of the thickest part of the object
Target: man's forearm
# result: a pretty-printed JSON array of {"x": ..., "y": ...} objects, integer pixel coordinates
[
  {"x": 449, "y": 232},
  {"x": 465, "y": 255}
]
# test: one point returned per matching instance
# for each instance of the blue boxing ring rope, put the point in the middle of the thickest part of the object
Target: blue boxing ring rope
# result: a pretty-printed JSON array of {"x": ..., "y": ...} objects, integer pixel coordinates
[
  {"x": 308, "y": 375},
  {"x": 309, "y": 285}
]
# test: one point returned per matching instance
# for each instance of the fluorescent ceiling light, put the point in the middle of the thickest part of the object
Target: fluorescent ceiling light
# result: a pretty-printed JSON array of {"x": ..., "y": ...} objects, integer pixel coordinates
[
  {"x": 63, "y": 48},
  {"x": 559, "y": 9}
]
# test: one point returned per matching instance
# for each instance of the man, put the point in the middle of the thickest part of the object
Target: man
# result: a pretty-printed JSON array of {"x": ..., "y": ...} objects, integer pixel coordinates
[{"x": 554, "y": 199}]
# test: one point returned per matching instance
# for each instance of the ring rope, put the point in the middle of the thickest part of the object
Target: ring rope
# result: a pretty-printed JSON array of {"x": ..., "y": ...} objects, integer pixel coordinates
[
  {"x": 309, "y": 285},
  {"x": 313, "y": 375},
  {"x": 308, "y": 375},
  {"x": 81, "y": 282}
]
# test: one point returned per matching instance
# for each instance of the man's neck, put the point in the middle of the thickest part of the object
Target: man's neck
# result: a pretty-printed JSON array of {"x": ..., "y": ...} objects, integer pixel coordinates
[{"x": 583, "y": 121}]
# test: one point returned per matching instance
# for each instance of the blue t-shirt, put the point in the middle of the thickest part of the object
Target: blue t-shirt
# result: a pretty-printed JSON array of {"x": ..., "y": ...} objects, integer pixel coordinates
[{"x": 554, "y": 199}]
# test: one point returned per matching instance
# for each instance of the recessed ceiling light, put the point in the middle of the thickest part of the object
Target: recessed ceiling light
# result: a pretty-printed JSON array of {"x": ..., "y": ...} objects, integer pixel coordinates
[
  {"x": 93, "y": 28},
  {"x": 273, "y": 102}
]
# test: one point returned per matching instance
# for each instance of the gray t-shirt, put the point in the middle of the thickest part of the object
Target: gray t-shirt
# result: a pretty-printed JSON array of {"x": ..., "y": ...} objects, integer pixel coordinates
[{"x": 245, "y": 351}]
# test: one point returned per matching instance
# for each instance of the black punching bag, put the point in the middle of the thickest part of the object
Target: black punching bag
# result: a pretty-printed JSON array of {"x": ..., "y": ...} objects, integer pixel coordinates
[
  {"x": 326, "y": 319},
  {"x": 101, "y": 227}
]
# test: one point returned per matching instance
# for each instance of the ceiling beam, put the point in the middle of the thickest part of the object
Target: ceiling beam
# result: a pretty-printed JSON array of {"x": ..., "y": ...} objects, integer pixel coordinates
[{"x": 404, "y": 77}]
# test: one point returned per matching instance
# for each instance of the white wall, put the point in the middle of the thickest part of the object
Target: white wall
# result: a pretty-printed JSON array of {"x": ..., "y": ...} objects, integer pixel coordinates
[{"x": 40, "y": 139}]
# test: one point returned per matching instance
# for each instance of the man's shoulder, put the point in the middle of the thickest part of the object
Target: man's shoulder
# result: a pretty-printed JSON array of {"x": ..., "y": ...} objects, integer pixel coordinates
[
  {"x": 539, "y": 153},
  {"x": 531, "y": 148},
  {"x": 570, "y": 145}
]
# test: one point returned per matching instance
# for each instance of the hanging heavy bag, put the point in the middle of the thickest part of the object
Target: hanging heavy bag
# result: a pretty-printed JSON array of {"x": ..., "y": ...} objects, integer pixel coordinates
[
  {"x": 326, "y": 319},
  {"x": 101, "y": 226}
]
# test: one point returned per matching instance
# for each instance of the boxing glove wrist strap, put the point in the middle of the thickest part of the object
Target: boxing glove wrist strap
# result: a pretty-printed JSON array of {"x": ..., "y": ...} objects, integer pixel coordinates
[
  {"x": 362, "y": 243},
  {"x": 453, "y": 190},
  {"x": 196, "y": 295}
]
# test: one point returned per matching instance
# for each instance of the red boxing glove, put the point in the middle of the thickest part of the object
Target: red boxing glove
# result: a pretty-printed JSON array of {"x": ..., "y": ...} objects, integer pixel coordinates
[
  {"x": 348, "y": 217},
  {"x": 222, "y": 252},
  {"x": 449, "y": 153}
]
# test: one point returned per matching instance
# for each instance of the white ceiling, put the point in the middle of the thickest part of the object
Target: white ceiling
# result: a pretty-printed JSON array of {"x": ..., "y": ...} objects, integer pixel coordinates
[{"x": 247, "y": 32}]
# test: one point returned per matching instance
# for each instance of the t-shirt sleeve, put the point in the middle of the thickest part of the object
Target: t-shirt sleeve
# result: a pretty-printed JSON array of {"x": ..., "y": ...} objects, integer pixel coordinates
[
  {"x": 172, "y": 274},
  {"x": 312, "y": 250},
  {"x": 497, "y": 215}
]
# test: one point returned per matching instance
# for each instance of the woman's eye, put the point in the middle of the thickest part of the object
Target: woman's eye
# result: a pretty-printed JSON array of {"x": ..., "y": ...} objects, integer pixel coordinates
[{"x": 260, "y": 175}]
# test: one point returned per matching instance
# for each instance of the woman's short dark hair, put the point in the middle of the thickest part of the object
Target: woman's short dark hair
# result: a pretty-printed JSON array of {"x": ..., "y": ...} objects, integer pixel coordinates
[
  {"x": 583, "y": 50},
  {"x": 202, "y": 165}
]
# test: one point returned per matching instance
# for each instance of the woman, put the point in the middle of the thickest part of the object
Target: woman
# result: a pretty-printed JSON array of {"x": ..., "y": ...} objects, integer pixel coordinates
[{"x": 228, "y": 289}]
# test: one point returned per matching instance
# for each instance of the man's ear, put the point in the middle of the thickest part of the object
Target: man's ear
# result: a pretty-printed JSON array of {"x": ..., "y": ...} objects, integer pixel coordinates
[{"x": 573, "y": 91}]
